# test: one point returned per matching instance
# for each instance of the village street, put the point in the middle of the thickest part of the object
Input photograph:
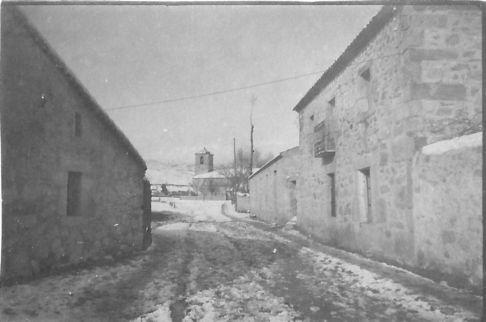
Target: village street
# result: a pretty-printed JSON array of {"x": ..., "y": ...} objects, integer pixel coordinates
[{"x": 208, "y": 263}]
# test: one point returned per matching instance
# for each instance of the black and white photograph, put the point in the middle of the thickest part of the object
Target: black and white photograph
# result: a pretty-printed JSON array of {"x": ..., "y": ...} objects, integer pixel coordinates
[{"x": 263, "y": 161}]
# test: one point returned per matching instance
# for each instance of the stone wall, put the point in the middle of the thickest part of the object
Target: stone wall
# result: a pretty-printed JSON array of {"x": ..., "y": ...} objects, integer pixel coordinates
[
  {"x": 243, "y": 203},
  {"x": 273, "y": 189},
  {"x": 382, "y": 123},
  {"x": 39, "y": 148},
  {"x": 447, "y": 208}
]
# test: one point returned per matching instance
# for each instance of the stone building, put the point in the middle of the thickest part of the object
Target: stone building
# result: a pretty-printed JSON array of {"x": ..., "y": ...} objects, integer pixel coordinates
[
  {"x": 72, "y": 184},
  {"x": 273, "y": 188},
  {"x": 208, "y": 183},
  {"x": 203, "y": 162},
  {"x": 409, "y": 82}
]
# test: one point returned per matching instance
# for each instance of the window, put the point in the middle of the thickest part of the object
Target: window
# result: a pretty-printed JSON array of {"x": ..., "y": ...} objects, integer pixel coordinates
[
  {"x": 312, "y": 117},
  {"x": 364, "y": 194},
  {"x": 201, "y": 160},
  {"x": 77, "y": 125},
  {"x": 332, "y": 187},
  {"x": 74, "y": 194},
  {"x": 365, "y": 74},
  {"x": 332, "y": 102}
]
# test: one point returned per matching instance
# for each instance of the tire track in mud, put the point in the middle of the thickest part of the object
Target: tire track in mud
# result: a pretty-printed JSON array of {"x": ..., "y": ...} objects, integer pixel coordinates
[
  {"x": 179, "y": 304},
  {"x": 284, "y": 262}
]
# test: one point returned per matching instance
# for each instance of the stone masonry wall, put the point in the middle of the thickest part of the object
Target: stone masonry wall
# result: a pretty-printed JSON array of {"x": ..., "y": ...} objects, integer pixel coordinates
[
  {"x": 383, "y": 123},
  {"x": 272, "y": 192},
  {"x": 38, "y": 150},
  {"x": 447, "y": 208}
]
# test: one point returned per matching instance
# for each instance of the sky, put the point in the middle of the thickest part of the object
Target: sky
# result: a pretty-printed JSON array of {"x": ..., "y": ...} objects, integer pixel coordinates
[{"x": 129, "y": 55}]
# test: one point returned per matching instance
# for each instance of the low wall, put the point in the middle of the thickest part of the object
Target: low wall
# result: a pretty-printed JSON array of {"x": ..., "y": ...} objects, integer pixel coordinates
[
  {"x": 243, "y": 203},
  {"x": 447, "y": 208}
]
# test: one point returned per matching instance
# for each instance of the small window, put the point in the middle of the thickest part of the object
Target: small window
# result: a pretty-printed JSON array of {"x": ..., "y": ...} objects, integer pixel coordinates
[
  {"x": 74, "y": 194},
  {"x": 332, "y": 102},
  {"x": 77, "y": 125},
  {"x": 201, "y": 160},
  {"x": 332, "y": 191},
  {"x": 312, "y": 117},
  {"x": 366, "y": 75},
  {"x": 364, "y": 190}
]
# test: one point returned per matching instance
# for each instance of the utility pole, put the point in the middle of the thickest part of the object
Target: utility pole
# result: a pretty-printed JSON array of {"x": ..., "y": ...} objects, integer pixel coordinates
[
  {"x": 253, "y": 100},
  {"x": 234, "y": 169},
  {"x": 251, "y": 148}
]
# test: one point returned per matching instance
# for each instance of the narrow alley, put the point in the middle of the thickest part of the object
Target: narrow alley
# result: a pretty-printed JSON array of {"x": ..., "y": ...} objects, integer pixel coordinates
[{"x": 208, "y": 263}]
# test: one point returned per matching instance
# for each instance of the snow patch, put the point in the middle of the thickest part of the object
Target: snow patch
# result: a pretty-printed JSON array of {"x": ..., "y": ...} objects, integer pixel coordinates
[
  {"x": 162, "y": 314},
  {"x": 384, "y": 288},
  {"x": 466, "y": 141},
  {"x": 174, "y": 226}
]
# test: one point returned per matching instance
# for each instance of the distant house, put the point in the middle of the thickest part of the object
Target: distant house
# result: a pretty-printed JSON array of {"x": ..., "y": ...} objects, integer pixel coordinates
[
  {"x": 208, "y": 183},
  {"x": 390, "y": 141},
  {"x": 178, "y": 190},
  {"x": 72, "y": 184},
  {"x": 273, "y": 188}
]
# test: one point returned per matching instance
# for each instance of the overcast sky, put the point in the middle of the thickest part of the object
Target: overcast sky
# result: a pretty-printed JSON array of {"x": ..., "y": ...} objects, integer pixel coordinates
[{"x": 128, "y": 55}]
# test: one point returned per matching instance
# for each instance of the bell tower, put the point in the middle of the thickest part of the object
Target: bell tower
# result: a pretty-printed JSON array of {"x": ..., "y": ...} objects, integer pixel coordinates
[{"x": 203, "y": 162}]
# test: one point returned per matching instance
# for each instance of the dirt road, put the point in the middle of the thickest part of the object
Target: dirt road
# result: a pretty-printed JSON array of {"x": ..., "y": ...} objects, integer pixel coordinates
[{"x": 205, "y": 266}]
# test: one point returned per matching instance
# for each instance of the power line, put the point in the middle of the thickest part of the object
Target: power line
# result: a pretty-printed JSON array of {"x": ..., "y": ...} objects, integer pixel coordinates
[{"x": 183, "y": 98}]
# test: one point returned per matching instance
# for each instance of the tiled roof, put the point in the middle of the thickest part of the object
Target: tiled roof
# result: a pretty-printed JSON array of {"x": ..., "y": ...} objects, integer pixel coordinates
[
  {"x": 75, "y": 83},
  {"x": 352, "y": 51},
  {"x": 269, "y": 163}
]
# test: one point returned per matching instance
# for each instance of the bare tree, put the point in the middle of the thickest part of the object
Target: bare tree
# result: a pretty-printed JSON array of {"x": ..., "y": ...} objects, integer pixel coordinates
[{"x": 239, "y": 180}]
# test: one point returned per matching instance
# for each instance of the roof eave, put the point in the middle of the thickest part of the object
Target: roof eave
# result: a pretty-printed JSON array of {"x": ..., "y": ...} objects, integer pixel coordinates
[
  {"x": 92, "y": 104},
  {"x": 351, "y": 52}
]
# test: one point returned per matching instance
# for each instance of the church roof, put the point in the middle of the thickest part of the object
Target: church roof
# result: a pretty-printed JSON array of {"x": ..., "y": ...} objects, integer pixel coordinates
[
  {"x": 204, "y": 151},
  {"x": 210, "y": 175}
]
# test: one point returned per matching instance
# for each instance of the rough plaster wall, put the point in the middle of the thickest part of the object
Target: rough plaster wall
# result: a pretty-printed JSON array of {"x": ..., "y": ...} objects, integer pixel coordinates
[
  {"x": 270, "y": 192},
  {"x": 39, "y": 149},
  {"x": 242, "y": 203},
  {"x": 448, "y": 212},
  {"x": 384, "y": 124}
]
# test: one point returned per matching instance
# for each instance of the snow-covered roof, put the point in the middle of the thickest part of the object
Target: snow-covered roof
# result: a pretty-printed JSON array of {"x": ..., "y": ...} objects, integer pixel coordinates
[
  {"x": 204, "y": 151},
  {"x": 210, "y": 175}
]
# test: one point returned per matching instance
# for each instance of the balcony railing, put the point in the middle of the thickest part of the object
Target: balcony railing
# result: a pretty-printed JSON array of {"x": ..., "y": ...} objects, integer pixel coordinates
[{"x": 325, "y": 144}]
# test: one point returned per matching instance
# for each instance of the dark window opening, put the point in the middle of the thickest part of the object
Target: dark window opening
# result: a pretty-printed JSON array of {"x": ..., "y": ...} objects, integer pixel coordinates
[
  {"x": 74, "y": 194},
  {"x": 312, "y": 117},
  {"x": 366, "y": 75},
  {"x": 201, "y": 160},
  {"x": 332, "y": 102},
  {"x": 77, "y": 125},
  {"x": 332, "y": 186}
]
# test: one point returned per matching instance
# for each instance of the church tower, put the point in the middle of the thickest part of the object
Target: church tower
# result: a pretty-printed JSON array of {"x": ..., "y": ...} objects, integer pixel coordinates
[{"x": 203, "y": 162}]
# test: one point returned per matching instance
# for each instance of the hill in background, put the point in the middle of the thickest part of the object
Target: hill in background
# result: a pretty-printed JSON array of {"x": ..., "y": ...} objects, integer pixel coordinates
[{"x": 161, "y": 172}]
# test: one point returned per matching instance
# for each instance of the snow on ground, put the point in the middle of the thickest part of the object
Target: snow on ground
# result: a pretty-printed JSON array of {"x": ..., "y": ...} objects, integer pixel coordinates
[
  {"x": 384, "y": 289},
  {"x": 197, "y": 210},
  {"x": 205, "y": 266},
  {"x": 161, "y": 314},
  {"x": 225, "y": 303}
]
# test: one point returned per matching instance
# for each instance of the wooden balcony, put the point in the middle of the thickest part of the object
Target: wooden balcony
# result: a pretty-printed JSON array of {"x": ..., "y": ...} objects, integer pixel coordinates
[
  {"x": 325, "y": 145},
  {"x": 324, "y": 148}
]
